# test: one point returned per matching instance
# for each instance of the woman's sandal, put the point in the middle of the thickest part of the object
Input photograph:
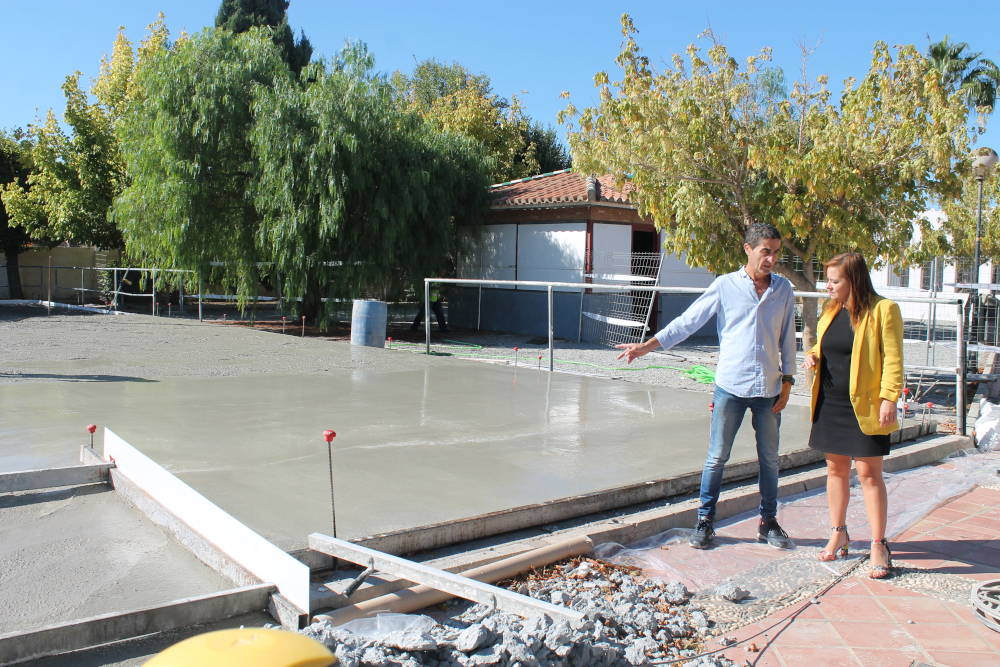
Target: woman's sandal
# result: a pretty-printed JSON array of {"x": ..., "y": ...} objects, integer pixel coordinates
[
  {"x": 881, "y": 571},
  {"x": 839, "y": 553}
]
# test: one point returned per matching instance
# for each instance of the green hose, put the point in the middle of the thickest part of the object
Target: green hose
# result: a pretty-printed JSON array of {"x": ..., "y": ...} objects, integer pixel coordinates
[{"x": 698, "y": 373}]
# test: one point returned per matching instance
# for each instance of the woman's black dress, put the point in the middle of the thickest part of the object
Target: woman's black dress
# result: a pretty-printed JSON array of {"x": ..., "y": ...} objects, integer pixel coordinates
[{"x": 835, "y": 428}]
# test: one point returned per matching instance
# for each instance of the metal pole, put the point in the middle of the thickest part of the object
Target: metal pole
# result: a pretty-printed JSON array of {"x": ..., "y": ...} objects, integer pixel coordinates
[
  {"x": 479, "y": 316},
  {"x": 333, "y": 507},
  {"x": 960, "y": 374},
  {"x": 199, "y": 298},
  {"x": 551, "y": 360},
  {"x": 181, "y": 290},
  {"x": 49, "y": 299},
  {"x": 83, "y": 285},
  {"x": 937, "y": 287},
  {"x": 152, "y": 290},
  {"x": 427, "y": 313},
  {"x": 579, "y": 331}
]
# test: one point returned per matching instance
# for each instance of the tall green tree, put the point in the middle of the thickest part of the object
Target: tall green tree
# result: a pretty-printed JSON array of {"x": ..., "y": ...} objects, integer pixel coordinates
[
  {"x": 185, "y": 139},
  {"x": 358, "y": 194},
  {"x": 14, "y": 239},
  {"x": 975, "y": 78},
  {"x": 710, "y": 151},
  {"x": 319, "y": 183},
  {"x": 240, "y": 15},
  {"x": 76, "y": 177},
  {"x": 455, "y": 100}
]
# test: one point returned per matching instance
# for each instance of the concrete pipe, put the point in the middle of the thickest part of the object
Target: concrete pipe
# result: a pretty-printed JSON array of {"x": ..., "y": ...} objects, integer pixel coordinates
[{"x": 418, "y": 597}]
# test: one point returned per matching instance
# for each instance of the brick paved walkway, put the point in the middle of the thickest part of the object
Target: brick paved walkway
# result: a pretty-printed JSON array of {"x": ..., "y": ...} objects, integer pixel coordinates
[{"x": 865, "y": 623}]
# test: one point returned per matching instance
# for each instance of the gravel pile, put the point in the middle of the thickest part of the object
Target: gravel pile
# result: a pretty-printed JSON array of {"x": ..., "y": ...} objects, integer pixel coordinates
[{"x": 629, "y": 621}]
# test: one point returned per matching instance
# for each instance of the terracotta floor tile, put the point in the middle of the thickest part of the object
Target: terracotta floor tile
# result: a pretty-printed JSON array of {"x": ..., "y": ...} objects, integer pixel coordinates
[
  {"x": 959, "y": 532},
  {"x": 961, "y": 505},
  {"x": 948, "y": 514},
  {"x": 988, "y": 525},
  {"x": 853, "y": 608},
  {"x": 818, "y": 657},
  {"x": 971, "y": 570},
  {"x": 946, "y": 659},
  {"x": 766, "y": 657},
  {"x": 964, "y": 613},
  {"x": 872, "y": 657},
  {"x": 872, "y": 635},
  {"x": 807, "y": 634},
  {"x": 850, "y": 586},
  {"x": 885, "y": 589},
  {"x": 947, "y": 637},
  {"x": 918, "y": 610},
  {"x": 943, "y": 545},
  {"x": 984, "y": 555}
]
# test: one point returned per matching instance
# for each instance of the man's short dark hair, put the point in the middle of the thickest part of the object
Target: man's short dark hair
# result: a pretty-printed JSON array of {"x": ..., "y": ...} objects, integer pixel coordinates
[{"x": 759, "y": 231}]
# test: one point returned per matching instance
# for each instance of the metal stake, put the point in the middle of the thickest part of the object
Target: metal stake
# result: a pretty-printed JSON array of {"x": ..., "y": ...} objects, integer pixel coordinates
[
  {"x": 551, "y": 360},
  {"x": 50, "y": 285},
  {"x": 152, "y": 290},
  {"x": 329, "y": 436},
  {"x": 199, "y": 299},
  {"x": 83, "y": 285},
  {"x": 960, "y": 373},
  {"x": 427, "y": 313}
]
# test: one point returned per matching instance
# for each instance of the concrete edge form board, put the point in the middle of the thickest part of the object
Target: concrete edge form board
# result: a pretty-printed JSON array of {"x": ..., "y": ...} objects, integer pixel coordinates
[{"x": 246, "y": 547}]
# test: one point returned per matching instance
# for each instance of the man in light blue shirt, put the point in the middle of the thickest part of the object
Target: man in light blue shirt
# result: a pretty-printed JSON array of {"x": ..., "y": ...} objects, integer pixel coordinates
[{"x": 755, "y": 311}]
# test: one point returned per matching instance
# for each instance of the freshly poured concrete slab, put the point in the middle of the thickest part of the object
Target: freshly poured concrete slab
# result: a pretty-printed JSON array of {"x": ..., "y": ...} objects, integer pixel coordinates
[
  {"x": 77, "y": 552},
  {"x": 437, "y": 439}
]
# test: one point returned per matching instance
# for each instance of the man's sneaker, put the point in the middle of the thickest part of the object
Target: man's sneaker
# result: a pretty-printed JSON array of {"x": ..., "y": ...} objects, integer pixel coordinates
[
  {"x": 702, "y": 535},
  {"x": 769, "y": 531}
]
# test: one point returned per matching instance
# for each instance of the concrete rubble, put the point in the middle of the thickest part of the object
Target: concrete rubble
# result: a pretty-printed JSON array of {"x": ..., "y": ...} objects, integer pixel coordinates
[{"x": 629, "y": 621}]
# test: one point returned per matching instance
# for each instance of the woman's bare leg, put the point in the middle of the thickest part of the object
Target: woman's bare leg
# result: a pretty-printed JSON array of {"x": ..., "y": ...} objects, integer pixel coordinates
[
  {"x": 876, "y": 503},
  {"x": 838, "y": 493}
]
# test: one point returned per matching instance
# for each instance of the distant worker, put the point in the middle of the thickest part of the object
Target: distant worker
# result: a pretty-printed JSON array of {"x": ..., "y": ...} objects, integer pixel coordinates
[
  {"x": 435, "y": 306},
  {"x": 755, "y": 312}
]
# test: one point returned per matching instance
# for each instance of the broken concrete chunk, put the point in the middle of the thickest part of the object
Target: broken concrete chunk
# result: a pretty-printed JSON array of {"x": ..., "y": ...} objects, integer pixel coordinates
[
  {"x": 409, "y": 641},
  {"x": 472, "y": 638}
]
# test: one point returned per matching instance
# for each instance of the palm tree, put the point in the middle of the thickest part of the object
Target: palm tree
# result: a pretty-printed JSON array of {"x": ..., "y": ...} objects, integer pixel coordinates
[{"x": 977, "y": 78}]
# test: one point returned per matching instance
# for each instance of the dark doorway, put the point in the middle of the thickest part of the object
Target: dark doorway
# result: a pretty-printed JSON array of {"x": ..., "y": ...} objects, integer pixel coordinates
[{"x": 642, "y": 265}]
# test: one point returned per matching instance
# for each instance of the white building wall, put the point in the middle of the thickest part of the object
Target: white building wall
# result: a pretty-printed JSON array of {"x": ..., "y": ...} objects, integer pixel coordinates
[
  {"x": 554, "y": 252},
  {"x": 495, "y": 256},
  {"x": 611, "y": 238}
]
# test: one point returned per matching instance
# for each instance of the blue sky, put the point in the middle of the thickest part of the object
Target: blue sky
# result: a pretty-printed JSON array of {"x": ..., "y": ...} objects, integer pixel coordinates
[{"x": 542, "y": 47}]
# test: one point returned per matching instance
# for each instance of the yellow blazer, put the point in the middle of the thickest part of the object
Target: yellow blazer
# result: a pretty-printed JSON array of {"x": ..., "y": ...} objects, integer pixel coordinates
[{"x": 876, "y": 363}]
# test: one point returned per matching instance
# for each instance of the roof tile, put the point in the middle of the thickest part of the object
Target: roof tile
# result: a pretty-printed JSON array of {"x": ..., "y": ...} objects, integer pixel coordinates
[{"x": 559, "y": 187}]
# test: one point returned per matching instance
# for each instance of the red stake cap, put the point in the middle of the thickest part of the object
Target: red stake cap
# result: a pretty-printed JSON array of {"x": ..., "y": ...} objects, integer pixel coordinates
[
  {"x": 906, "y": 390},
  {"x": 282, "y": 318},
  {"x": 329, "y": 435},
  {"x": 711, "y": 405},
  {"x": 539, "y": 356},
  {"x": 91, "y": 428},
  {"x": 516, "y": 349}
]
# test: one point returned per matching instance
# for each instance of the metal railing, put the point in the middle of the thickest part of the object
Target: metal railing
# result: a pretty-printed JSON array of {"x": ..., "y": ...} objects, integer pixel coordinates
[{"x": 926, "y": 371}]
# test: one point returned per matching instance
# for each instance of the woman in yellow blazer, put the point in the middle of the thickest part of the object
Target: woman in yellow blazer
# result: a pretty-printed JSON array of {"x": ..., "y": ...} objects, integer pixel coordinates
[{"x": 858, "y": 359}]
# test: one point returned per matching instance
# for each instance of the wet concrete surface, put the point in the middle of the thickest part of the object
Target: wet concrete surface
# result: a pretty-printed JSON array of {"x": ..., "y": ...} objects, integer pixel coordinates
[
  {"x": 434, "y": 440},
  {"x": 77, "y": 552}
]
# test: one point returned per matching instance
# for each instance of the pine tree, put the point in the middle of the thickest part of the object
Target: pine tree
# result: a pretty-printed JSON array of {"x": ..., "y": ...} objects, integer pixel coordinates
[{"x": 240, "y": 15}]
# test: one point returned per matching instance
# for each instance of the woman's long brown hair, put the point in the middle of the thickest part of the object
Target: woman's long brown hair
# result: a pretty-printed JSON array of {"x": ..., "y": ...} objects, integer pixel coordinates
[{"x": 854, "y": 270}]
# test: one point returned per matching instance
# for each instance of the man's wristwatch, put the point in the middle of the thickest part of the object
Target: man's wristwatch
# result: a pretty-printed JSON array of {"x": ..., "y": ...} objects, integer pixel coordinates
[{"x": 790, "y": 379}]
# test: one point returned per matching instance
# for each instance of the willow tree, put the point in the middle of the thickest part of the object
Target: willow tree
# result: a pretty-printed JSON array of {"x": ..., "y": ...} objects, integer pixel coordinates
[
  {"x": 319, "y": 183},
  {"x": 709, "y": 150},
  {"x": 185, "y": 138},
  {"x": 358, "y": 195}
]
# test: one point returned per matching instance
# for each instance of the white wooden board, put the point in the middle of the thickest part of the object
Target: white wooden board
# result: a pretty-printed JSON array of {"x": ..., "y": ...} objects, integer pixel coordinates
[{"x": 243, "y": 545}]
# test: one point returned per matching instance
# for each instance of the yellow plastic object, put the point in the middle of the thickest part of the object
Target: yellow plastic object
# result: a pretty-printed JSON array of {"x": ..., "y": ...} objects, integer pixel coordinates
[{"x": 246, "y": 647}]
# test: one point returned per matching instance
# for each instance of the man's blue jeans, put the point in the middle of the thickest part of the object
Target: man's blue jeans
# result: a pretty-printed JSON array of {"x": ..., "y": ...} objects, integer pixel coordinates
[{"x": 727, "y": 416}]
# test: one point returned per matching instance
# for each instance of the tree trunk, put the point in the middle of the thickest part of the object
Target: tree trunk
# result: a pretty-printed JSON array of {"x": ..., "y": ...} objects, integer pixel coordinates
[
  {"x": 14, "y": 290},
  {"x": 810, "y": 308}
]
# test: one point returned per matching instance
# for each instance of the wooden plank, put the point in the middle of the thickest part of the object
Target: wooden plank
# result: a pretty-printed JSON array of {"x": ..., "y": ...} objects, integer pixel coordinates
[
  {"x": 455, "y": 584},
  {"x": 106, "y": 628},
  {"x": 47, "y": 478},
  {"x": 229, "y": 536}
]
